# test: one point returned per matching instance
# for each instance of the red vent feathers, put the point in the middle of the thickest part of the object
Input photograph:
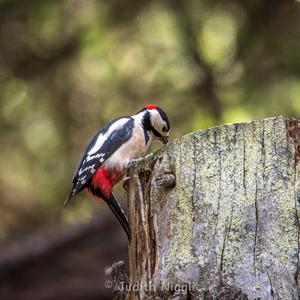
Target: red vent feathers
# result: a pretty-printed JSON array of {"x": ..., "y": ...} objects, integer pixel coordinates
[
  {"x": 105, "y": 180},
  {"x": 102, "y": 181}
]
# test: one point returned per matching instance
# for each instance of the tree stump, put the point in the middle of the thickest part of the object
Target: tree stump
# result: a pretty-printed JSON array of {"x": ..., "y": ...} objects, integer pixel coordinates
[{"x": 214, "y": 215}]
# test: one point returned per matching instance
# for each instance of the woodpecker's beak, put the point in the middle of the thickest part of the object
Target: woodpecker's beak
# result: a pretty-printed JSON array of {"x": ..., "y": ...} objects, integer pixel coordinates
[{"x": 165, "y": 139}]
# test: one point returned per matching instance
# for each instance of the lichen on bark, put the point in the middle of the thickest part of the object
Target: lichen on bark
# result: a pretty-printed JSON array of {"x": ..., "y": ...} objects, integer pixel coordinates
[{"x": 230, "y": 221}]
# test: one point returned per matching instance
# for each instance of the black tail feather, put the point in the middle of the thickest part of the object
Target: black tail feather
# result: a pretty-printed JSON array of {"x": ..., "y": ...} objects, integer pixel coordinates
[
  {"x": 120, "y": 214},
  {"x": 113, "y": 204},
  {"x": 68, "y": 199}
]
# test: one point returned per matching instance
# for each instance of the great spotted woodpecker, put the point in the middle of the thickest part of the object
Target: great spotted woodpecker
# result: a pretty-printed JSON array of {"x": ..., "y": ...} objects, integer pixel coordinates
[{"x": 106, "y": 158}]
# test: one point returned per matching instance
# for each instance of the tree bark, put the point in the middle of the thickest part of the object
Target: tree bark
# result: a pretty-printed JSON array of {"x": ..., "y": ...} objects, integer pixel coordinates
[{"x": 226, "y": 225}]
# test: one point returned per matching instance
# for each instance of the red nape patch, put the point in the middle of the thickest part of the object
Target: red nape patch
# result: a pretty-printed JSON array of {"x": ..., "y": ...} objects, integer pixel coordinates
[
  {"x": 101, "y": 180},
  {"x": 151, "y": 106}
]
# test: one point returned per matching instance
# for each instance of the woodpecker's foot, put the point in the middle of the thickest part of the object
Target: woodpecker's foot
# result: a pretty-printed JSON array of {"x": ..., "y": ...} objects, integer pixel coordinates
[
  {"x": 133, "y": 162},
  {"x": 167, "y": 180},
  {"x": 126, "y": 183}
]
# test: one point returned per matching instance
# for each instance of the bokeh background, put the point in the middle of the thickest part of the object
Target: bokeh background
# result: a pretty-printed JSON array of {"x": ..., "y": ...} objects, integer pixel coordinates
[{"x": 67, "y": 67}]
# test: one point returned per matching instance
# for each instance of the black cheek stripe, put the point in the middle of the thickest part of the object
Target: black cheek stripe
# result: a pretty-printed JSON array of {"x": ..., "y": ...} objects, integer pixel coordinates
[{"x": 156, "y": 133}]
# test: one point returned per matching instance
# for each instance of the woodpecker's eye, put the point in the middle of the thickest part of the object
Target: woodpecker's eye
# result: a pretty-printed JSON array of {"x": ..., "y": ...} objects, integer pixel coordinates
[{"x": 164, "y": 129}]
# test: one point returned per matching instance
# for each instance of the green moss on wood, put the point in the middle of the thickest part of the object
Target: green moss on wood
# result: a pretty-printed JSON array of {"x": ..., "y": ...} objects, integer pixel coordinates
[{"x": 231, "y": 217}]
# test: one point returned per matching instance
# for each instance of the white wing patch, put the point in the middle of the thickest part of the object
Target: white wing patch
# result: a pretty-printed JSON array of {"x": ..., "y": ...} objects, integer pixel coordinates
[
  {"x": 100, "y": 156},
  {"x": 92, "y": 154},
  {"x": 103, "y": 146},
  {"x": 103, "y": 137},
  {"x": 90, "y": 168}
]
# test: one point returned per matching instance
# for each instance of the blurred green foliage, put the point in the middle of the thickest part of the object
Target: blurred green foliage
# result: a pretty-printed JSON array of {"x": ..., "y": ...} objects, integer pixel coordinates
[{"x": 67, "y": 67}]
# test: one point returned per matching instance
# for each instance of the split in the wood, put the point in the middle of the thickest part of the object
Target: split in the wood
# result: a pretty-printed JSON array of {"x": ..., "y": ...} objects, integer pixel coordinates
[{"x": 294, "y": 133}]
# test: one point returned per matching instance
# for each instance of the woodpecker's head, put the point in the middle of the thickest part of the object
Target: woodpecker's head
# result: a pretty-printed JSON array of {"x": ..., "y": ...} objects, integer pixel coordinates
[{"x": 156, "y": 121}]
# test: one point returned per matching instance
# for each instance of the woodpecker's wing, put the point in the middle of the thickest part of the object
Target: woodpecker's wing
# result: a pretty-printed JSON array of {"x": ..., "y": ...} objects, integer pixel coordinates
[{"x": 106, "y": 141}]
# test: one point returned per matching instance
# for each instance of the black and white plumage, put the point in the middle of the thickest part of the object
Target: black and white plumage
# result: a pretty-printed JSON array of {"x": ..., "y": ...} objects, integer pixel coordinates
[
  {"x": 106, "y": 158},
  {"x": 106, "y": 141}
]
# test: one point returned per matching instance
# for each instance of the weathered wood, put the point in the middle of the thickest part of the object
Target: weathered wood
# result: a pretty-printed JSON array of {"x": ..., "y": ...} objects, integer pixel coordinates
[
  {"x": 229, "y": 228},
  {"x": 119, "y": 283}
]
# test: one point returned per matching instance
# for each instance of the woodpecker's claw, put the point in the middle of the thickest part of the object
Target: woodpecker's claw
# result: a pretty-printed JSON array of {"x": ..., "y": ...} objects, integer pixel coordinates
[{"x": 132, "y": 163}]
